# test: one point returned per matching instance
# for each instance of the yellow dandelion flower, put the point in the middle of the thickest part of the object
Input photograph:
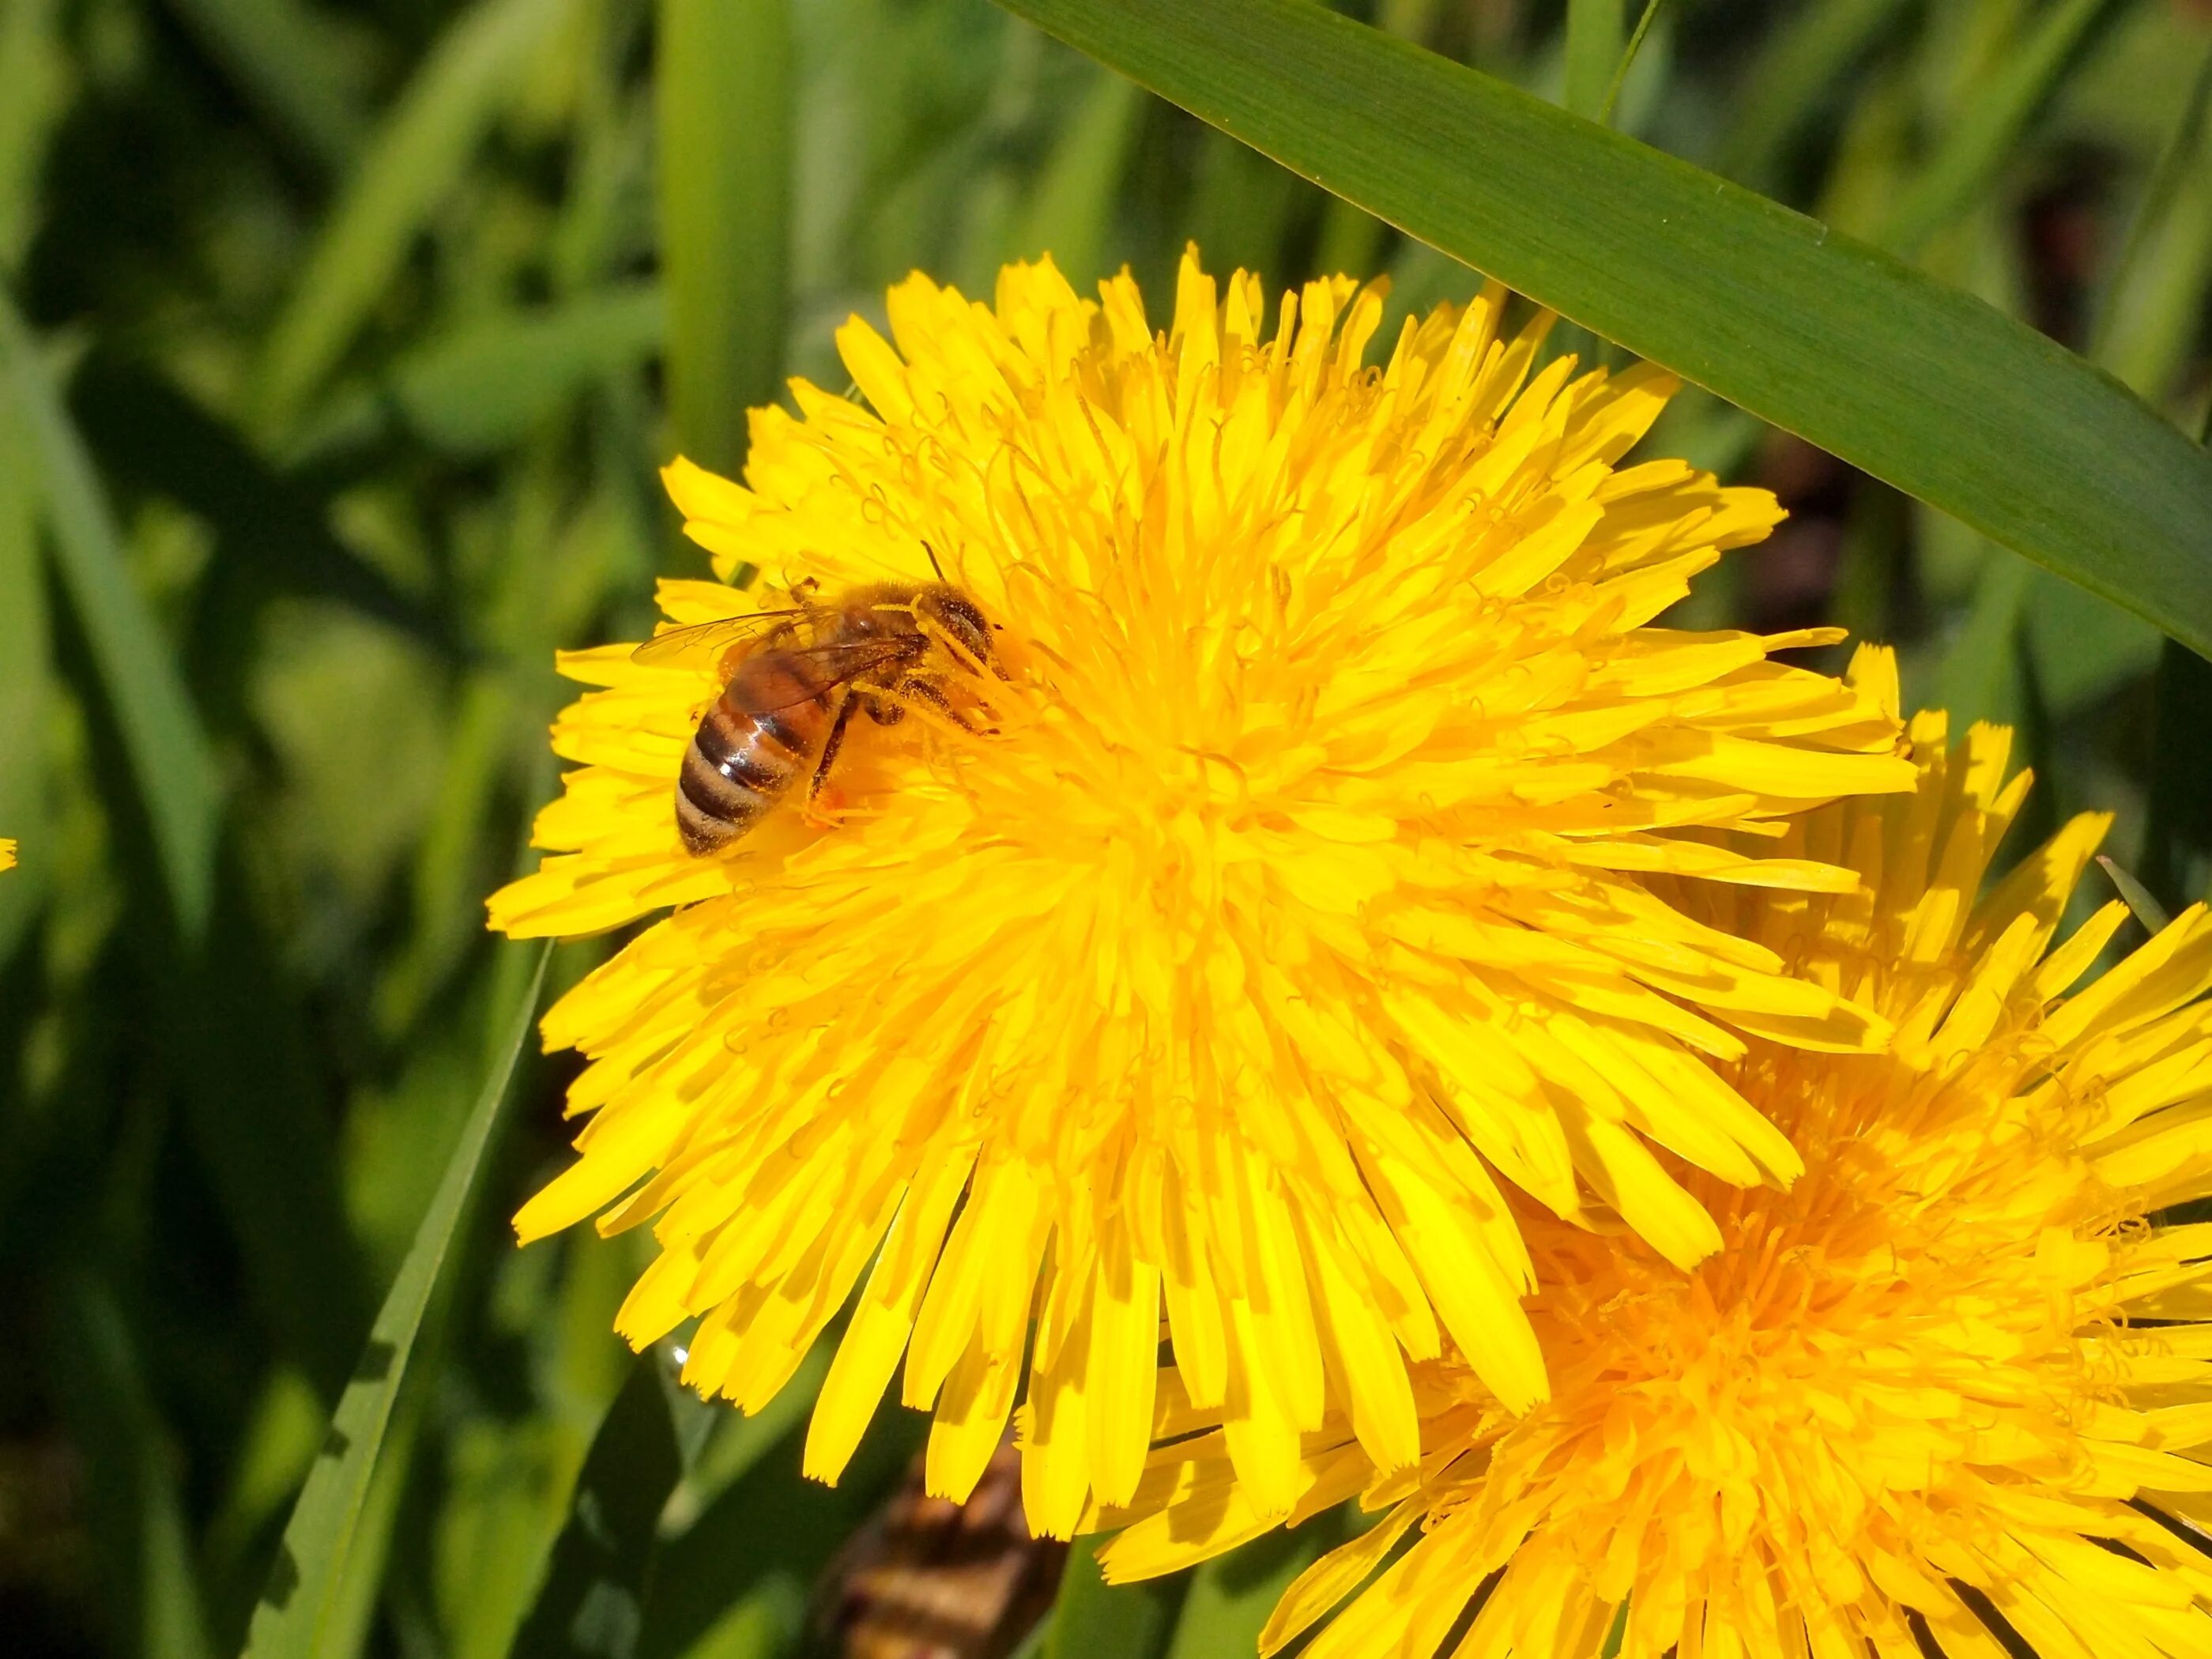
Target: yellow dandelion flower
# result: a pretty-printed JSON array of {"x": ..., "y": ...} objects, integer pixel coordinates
[
  {"x": 1298, "y": 891},
  {"x": 7, "y": 854},
  {"x": 1950, "y": 1393}
]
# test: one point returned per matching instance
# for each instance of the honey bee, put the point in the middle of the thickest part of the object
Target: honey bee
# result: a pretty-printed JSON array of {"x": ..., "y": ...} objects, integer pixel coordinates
[
  {"x": 792, "y": 679},
  {"x": 927, "y": 1579}
]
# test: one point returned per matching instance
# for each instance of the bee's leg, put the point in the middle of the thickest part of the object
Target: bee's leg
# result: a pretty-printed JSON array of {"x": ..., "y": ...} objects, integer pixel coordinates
[
  {"x": 882, "y": 710},
  {"x": 831, "y": 745},
  {"x": 923, "y": 691}
]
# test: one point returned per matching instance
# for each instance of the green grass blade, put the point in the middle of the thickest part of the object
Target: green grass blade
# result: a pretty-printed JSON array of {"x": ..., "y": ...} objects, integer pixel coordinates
[
  {"x": 1597, "y": 32},
  {"x": 1627, "y": 61},
  {"x": 1795, "y": 73},
  {"x": 1978, "y": 677},
  {"x": 592, "y": 1599},
  {"x": 446, "y": 868},
  {"x": 225, "y": 1020},
  {"x": 2176, "y": 860},
  {"x": 2157, "y": 308},
  {"x": 724, "y": 1446},
  {"x": 489, "y": 385},
  {"x": 170, "y": 766},
  {"x": 409, "y": 166},
  {"x": 315, "y": 1587},
  {"x": 2148, "y": 911},
  {"x": 481, "y": 388},
  {"x": 2150, "y": 307},
  {"x": 138, "y": 1513},
  {"x": 740, "y": 1575},
  {"x": 1242, "y": 205},
  {"x": 2177, "y": 855},
  {"x": 723, "y": 82},
  {"x": 2085, "y": 650},
  {"x": 288, "y": 61},
  {"x": 275, "y": 1449},
  {"x": 273, "y": 533},
  {"x": 1925, "y": 387},
  {"x": 2180, "y": 157},
  {"x": 23, "y": 639},
  {"x": 35, "y": 68},
  {"x": 1993, "y": 121},
  {"x": 1070, "y": 214}
]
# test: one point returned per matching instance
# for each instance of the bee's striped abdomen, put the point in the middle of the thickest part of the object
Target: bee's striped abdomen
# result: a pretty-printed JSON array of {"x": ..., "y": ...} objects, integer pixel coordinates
[{"x": 741, "y": 761}]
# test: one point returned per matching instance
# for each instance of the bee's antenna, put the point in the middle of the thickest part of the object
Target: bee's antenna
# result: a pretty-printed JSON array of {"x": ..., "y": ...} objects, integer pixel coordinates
[{"x": 933, "y": 564}]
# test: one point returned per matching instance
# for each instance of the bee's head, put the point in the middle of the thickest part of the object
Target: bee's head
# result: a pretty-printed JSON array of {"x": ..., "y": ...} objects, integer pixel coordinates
[{"x": 953, "y": 611}]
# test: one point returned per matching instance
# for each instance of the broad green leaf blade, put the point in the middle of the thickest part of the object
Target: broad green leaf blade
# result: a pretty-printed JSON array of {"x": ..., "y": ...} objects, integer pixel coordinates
[
  {"x": 1597, "y": 32},
  {"x": 1129, "y": 1621},
  {"x": 167, "y": 752},
  {"x": 1991, "y": 124},
  {"x": 313, "y": 1590},
  {"x": 592, "y": 1599},
  {"x": 1925, "y": 387},
  {"x": 723, "y": 84},
  {"x": 404, "y": 171}
]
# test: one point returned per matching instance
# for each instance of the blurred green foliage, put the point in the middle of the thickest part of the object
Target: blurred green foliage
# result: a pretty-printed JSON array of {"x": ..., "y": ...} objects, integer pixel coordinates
[{"x": 337, "y": 347}]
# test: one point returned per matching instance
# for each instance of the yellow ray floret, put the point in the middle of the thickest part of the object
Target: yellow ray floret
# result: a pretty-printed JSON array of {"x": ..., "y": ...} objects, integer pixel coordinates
[
  {"x": 7, "y": 854},
  {"x": 1300, "y": 889},
  {"x": 1949, "y": 1394}
]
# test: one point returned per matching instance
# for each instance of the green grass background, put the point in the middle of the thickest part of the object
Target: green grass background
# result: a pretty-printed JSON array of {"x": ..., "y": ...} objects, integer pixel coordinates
[{"x": 338, "y": 344}]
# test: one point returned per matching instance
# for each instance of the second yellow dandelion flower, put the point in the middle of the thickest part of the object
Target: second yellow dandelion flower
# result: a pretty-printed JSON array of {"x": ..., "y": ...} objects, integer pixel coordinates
[{"x": 1299, "y": 893}]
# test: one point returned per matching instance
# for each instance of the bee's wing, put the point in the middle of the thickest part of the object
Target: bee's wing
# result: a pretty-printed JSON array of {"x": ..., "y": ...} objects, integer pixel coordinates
[
  {"x": 702, "y": 643},
  {"x": 841, "y": 662}
]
